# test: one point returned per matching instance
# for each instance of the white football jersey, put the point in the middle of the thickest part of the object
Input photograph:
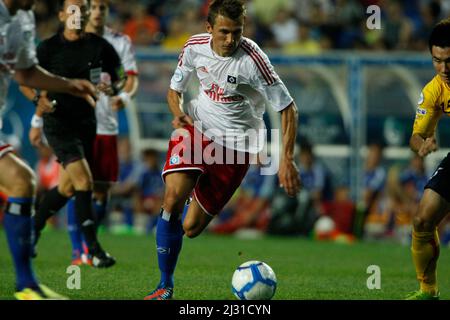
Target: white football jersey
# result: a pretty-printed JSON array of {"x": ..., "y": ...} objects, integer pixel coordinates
[
  {"x": 17, "y": 48},
  {"x": 233, "y": 91},
  {"x": 107, "y": 123}
]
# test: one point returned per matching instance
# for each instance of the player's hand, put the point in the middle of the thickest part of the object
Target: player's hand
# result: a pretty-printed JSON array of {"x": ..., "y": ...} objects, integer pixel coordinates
[
  {"x": 289, "y": 177},
  {"x": 105, "y": 88},
  {"x": 117, "y": 103},
  {"x": 35, "y": 136},
  {"x": 45, "y": 105},
  {"x": 428, "y": 146},
  {"x": 83, "y": 89},
  {"x": 181, "y": 121}
]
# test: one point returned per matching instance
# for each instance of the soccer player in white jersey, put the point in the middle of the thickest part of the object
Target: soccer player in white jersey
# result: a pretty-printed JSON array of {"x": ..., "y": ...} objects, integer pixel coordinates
[
  {"x": 105, "y": 162},
  {"x": 235, "y": 78},
  {"x": 18, "y": 61}
]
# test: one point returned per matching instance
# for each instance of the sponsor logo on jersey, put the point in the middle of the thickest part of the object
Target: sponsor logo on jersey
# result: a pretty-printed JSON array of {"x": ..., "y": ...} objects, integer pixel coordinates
[
  {"x": 421, "y": 111},
  {"x": 175, "y": 159}
]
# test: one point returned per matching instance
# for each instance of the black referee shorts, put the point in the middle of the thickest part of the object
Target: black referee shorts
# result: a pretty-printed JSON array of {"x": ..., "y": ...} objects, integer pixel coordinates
[
  {"x": 71, "y": 143},
  {"x": 440, "y": 180}
]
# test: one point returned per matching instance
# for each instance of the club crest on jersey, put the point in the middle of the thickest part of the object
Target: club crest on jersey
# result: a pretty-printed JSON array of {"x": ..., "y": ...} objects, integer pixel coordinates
[
  {"x": 175, "y": 159},
  {"x": 232, "y": 81}
]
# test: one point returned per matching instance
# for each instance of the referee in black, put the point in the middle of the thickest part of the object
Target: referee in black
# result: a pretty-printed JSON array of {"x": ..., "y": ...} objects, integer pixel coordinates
[{"x": 70, "y": 122}]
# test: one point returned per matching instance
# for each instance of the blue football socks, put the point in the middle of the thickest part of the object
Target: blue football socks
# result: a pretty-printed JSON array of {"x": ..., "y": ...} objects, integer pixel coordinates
[
  {"x": 18, "y": 226},
  {"x": 76, "y": 237},
  {"x": 169, "y": 240}
]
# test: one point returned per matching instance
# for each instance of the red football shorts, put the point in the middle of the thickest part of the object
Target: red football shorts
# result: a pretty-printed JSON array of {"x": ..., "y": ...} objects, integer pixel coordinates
[
  {"x": 218, "y": 180},
  {"x": 105, "y": 164}
]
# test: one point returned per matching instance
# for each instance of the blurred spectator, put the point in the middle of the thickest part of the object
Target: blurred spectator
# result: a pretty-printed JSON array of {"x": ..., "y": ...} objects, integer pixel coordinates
[
  {"x": 47, "y": 170},
  {"x": 177, "y": 35},
  {"x": 398, "y": 209},
  {"x": 121, "y": 217},
  {"x": 304, "y": 44},
  {"x": 181, "y": 27},
  {"x": 430, "y": 15},
  {"x": 397, "y": 28},
  {"x": 142, "y": 28},
  {"x": 414, "y": 178},
  {"x": 298, "y": 215},
  {"x": 334, "y": 24},
  {"x": 341, "y": 210},
  {"x": 252, "y": 207},
  {"x": 316, "y": 179},
  {"x": 260, "y": 33},
  {"x": 372, "y": 219},
  {"x": 149, "y": 192},
  {"x": 314, "y": 12},
  {"x": 346, "y": 19},
  {"x": 403, "y": 191},
  {"x": 284, "y": 27},
  {"x": 266, "y": 11}
]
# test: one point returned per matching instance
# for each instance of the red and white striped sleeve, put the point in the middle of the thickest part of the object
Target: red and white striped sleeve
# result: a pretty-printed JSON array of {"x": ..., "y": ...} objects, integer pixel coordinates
[
  {"x": 185, "y": 66},
  {"x": 263, "y": 77}
]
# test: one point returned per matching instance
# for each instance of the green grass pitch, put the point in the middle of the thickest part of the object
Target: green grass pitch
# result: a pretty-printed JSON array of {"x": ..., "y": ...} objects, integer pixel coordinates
[{"x": 305, "y": 269}]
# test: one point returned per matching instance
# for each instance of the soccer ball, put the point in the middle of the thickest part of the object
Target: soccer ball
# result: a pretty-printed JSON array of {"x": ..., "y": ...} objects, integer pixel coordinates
[{"x": 254, "y": 280}]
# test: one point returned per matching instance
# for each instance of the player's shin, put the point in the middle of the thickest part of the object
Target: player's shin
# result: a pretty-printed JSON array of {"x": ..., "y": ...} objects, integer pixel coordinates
[
  {"x": 169, "y": 239},
  {"x": 85, "y": 218},
  {"x": 18, "y": 226},
  {"x": 51, "y": 203},
  {"x": 425, "y": 252},
  {"x": 100, "y": 210},
  {"x": 74, "y": 231}
]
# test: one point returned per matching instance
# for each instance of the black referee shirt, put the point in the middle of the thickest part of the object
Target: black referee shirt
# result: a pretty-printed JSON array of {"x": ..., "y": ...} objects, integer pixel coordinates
[{"x": 85, "y": 58}]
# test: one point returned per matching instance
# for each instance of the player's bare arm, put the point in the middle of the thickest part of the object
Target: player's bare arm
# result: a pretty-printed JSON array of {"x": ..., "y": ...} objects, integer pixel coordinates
[
  {"x": 180, "y": 119},
  {"x": 43, "y": 105},
  {"x": 39, "y": 78},
  {"x": 288, "y": 174},
  {"x": 130, "y": 90},
  {"x": 423, "y": 146}
]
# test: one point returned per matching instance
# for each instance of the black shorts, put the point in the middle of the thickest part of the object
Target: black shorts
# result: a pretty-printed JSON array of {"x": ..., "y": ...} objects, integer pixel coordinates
[
  {"x": 440, "y": 180},
  {"x": 71, "y": 142}
]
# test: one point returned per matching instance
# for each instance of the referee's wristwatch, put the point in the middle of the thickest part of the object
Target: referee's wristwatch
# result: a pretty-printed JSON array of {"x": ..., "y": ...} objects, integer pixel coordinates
[{"x": 36, "y": 99}]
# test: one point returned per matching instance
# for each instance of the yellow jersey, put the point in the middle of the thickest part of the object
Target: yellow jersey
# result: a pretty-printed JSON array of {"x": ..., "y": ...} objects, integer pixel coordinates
[{"x": 434, "y": 102}]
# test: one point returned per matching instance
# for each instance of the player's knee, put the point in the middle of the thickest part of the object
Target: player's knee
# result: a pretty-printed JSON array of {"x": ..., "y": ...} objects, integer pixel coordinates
[
  {"x": 83, "y": 183},
  {"x": 66, "y": 190},
  {"x": 173, "y": 200},
  {"x": 24, "y": 183},
  {"x": 191, "y": 231},
  {"x": 421, "y": 223}
]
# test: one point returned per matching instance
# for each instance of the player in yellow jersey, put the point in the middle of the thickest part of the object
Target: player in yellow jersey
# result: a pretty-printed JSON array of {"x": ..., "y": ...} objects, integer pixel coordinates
[{"x": 435, "y": 203}]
